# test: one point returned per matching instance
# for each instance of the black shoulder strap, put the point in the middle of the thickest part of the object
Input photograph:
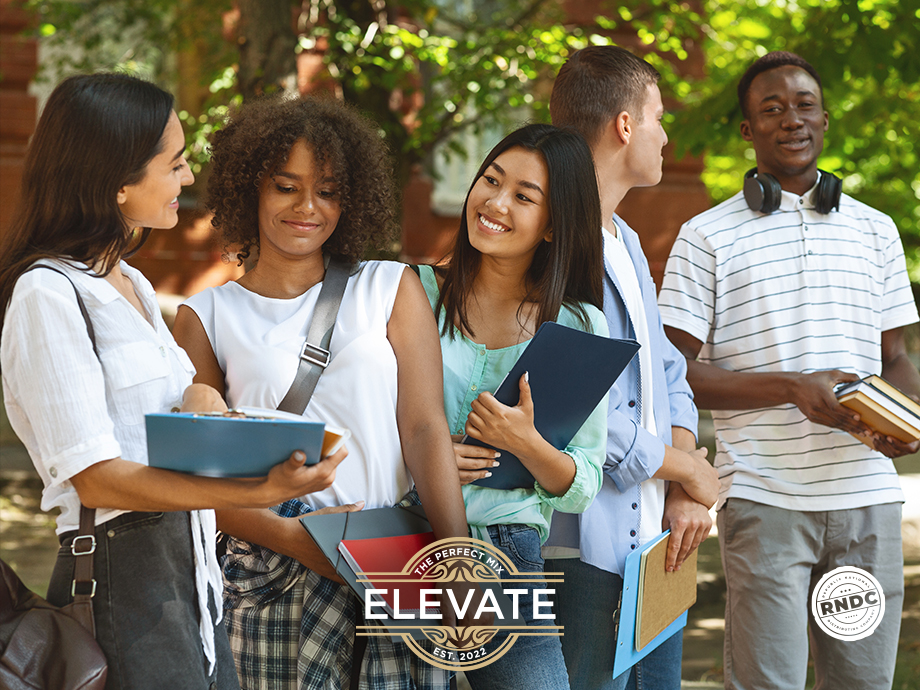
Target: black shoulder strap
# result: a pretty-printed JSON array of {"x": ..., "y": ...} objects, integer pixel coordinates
[
  {"x": 89, "y": 324},
  {"x": 83, "y": 546},
  {"x": 415, "y": 268},
  {"x": 315, "y": 356}
]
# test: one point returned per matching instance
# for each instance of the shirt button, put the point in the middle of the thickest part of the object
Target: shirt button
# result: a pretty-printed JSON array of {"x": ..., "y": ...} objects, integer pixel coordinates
[
  {"x": 805, "y": 227},
  {"x": 632, "y": 532},
  {"x": 801, "y": 201},
  {"x": 459, "y": 431},
  {"x": 162, "y": 351},
  {"x": 632, "y": 546},
  {"x": 473, "y": 387},
  {"x": 810, "y": 252},
  {"x": 482, "y": 352},
  {"x": 632, "y": 403},
  {"x": 52, "y": 471},
  {"x": 635, "y": 506}
]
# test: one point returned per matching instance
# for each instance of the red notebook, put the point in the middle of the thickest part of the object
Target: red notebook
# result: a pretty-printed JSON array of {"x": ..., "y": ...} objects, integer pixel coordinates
[{"x": 388, "y": 556}]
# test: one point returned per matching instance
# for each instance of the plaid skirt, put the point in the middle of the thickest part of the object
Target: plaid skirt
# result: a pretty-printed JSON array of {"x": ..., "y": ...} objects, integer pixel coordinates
[{"x": 291, "y": 629}]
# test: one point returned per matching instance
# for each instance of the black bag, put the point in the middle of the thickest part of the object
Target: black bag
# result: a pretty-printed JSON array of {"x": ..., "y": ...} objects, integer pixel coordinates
[{"x": 43, "y": 646}]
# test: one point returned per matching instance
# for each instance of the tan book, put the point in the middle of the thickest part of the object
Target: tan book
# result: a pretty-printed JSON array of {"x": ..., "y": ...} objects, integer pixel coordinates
[
  {"x": 887, "y": 414},
  {"x": 895, "y": 394},
  {"x": 663, "y": 595}
]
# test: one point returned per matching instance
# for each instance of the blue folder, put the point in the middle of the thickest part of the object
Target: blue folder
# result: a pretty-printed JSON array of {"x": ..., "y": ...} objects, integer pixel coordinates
[
  {"x": 217, "y": 446},
  {"x": 626, "y": 655},
  {"x": 570, "y": 373}
]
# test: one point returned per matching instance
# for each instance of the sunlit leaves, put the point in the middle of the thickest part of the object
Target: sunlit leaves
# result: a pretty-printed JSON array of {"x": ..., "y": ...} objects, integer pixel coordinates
[{"x": 868, "y": 54}]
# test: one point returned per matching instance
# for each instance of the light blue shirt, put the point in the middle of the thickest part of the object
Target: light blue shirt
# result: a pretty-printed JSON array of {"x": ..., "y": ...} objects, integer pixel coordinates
[
  {"x": 608, "y": 530},
  {"x": 469, "y": 369}
]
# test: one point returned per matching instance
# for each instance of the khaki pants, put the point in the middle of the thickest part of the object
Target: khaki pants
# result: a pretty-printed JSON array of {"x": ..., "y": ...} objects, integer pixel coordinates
[{"x": 772, "y": 559}]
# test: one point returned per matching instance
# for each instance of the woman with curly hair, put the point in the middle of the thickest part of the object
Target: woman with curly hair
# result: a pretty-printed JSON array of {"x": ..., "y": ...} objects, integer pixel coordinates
[{"x": 296, "y": 183}]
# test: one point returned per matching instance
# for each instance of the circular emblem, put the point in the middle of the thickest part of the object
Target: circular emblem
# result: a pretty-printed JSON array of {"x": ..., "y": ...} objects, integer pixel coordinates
[
  {"x": 447, "y": 567},
  {"x": 848, "y": 603}
]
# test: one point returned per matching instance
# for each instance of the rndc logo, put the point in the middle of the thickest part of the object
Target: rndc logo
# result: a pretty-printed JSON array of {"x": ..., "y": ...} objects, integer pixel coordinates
[{"x": 848, "y": 603}]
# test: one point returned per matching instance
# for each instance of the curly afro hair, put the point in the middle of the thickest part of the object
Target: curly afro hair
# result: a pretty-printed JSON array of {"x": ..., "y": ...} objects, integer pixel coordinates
[{"x": 257, "y": 141}]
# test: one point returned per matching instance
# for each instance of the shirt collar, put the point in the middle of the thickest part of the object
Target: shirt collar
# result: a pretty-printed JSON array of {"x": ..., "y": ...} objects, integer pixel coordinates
[
  {"x": 100, "y": 288},
  {"x": 793, "y": 202}
]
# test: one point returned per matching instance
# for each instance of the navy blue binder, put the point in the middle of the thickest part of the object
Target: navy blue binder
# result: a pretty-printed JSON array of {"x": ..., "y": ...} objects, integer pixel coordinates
[
  {"x": 217, "y": 446},
  {"x": 570, "y": 373}
]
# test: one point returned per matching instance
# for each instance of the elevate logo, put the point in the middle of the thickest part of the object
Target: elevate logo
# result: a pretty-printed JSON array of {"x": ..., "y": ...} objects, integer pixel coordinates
[
  {"x": 467, "y": 565},
  {"x": 848, "y": 603}
]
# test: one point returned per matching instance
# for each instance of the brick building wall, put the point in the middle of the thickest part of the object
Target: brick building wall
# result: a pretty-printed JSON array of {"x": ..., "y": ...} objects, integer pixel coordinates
[{"x": 18, "y": 64}]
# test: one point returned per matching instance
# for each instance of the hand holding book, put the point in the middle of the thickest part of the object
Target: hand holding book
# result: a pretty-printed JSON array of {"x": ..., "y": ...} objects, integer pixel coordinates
[
  {"x": 892, "y": 416},
  {"x": 813, "y": 394},
  {"x": 512, "y": 428}
]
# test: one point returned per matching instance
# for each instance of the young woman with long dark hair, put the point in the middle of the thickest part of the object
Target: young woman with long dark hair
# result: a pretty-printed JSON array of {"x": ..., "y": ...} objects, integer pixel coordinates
[
  {"x": 528, "y": 251},
  {"x": 106, "y": 159}
]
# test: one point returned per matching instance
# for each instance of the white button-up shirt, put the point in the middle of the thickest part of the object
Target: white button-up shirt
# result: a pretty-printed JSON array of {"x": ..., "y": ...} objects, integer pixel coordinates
[{"x": 70, "y": 408}]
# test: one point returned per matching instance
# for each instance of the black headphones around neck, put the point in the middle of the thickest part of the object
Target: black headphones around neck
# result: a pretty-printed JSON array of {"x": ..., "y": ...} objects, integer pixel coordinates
[{"x": 762, "y": 192}]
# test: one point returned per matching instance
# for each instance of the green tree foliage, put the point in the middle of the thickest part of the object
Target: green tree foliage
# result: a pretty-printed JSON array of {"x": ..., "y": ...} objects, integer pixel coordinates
[
  {"x": 868, "y": 55},
  {"x": 426, "y": 70}
]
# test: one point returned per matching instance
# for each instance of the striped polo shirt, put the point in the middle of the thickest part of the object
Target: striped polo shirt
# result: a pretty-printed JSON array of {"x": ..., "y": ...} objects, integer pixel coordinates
[{"x": 795, "y": 290}]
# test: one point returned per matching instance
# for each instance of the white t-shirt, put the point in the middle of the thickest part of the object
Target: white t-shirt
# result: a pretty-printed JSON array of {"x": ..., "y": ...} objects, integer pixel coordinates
[
  {"x": 652, "y": 490},
  {"x": 69, "y": 410},
  {"x": 257, "y": 342},
  {"x": 795, "y": 290}
]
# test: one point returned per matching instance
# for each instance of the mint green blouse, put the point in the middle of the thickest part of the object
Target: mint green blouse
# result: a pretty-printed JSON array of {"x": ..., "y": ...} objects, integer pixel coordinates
[{"x": 469, "y": 369}]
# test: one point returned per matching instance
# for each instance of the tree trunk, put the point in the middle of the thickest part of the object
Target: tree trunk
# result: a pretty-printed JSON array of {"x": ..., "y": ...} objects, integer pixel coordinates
[{"x": 267, "y": 43}]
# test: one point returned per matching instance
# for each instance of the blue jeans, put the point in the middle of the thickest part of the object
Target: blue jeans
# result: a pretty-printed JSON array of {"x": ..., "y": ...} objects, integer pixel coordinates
[
  {"x": 585, "y": 605},
  {"x": 532, "y": 663}
]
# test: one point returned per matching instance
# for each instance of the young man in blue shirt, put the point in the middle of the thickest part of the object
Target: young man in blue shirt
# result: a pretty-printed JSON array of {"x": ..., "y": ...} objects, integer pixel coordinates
[{"x": 612, "y": 98}]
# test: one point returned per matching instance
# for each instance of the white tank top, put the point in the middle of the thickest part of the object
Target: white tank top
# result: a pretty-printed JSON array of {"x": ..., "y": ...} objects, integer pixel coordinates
[{"x": 257, "y": 341}]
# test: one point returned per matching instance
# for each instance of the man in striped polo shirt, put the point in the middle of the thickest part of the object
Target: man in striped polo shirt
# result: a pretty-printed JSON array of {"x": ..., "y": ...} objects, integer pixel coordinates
[{"x": 783, "y": 292}]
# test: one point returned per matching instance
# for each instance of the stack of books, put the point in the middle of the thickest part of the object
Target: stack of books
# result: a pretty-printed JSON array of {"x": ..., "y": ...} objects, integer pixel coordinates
[{"x": 883, "y": 407}]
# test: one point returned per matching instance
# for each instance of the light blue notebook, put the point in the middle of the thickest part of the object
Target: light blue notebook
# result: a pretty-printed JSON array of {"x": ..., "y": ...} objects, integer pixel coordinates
[
  {"x": 218, "y": 446},
  {"x": 626, "y": 654}
]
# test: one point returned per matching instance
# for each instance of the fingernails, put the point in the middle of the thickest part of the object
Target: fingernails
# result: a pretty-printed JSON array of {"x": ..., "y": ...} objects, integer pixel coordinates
[
  {"x": 495, "y": 464},
  {"x": 299, "y": 456},
  {"x": 498, "y": 454},
  {"x": 488, "y": 474},
  {"x": 527, "y": 376}
]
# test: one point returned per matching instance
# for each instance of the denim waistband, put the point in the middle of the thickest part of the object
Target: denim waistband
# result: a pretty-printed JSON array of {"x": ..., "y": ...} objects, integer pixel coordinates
[{"x": 117, "y": 521}]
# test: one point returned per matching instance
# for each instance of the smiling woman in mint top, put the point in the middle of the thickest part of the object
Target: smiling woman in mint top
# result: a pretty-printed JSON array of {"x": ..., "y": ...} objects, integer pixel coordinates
[
  {"x": 299, "y": 182},
  {"x": 106, "y": 165},
  {"x": 527, "y": 252}
]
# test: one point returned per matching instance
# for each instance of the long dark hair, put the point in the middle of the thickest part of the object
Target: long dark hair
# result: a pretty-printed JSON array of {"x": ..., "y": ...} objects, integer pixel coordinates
[
  {"x": 96, "y": 134},
  {"x": 568, "y": 269}
]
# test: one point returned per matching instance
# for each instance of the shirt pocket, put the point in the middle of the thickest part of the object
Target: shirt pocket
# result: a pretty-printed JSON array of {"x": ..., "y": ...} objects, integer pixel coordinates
[
  {"x": 137, "y": 380},
  {"x": 184, "y": 361}
]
